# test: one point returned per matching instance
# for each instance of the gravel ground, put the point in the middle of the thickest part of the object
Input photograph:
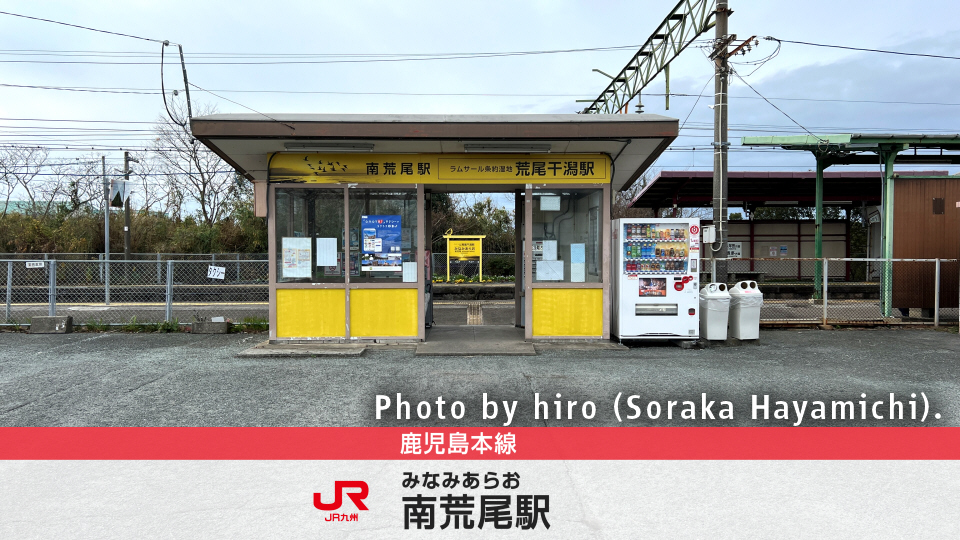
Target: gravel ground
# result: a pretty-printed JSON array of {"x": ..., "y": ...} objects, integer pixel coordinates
[{"x": 119, "y": 379}]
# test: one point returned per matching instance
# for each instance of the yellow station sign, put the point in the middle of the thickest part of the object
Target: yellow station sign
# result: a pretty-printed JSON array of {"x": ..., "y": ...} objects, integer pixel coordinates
[
  {"x": 441, "y": 168},
  {"x": 462, "y": 249}
]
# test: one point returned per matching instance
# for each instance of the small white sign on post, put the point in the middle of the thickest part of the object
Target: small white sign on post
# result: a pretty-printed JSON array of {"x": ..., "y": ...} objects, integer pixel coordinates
[
  {"x": 216, "y": 272},
  {"x": 34, "y": 264},
  {"x": 734, "y": 250}
]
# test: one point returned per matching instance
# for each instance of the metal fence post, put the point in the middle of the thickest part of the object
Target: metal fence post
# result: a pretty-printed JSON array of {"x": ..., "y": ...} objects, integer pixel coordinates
[
  {"x": 825, "y": 274},
  {"x": 713, "y": 270},
  {"x": 9, "y": 287},
  {"x": 168, "y": 315},
  {"x": 238, "y": 267},
  {"x": 158, "y": 269},
  {"x": 52, "y": 289},
  {"x": 106, "y": 280},
  {"x": 936, "y": 295}
]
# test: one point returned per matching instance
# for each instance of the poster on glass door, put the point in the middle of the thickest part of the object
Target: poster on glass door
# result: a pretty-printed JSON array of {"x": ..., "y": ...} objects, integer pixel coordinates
[{"x": 382, "y": 239}]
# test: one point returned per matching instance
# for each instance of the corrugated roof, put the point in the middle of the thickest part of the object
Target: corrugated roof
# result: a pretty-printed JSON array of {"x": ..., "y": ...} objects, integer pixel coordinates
[{"x": 695, "y": 188}]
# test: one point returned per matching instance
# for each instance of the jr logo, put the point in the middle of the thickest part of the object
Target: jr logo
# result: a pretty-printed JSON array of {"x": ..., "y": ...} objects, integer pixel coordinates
[{"x": 339, "y": 486}]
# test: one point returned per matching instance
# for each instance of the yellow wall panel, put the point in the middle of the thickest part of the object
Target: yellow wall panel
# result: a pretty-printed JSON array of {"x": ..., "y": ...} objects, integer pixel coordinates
[
  {"x": 383, "y": 312},
  {"x": 568, "y": 312},
  {"x": 311, "y": 313}
]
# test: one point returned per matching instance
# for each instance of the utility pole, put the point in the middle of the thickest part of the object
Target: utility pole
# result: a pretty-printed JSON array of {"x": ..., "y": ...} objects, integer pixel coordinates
[
  {"x": 106, "y": 231},
  {"x": 721, "y": 187},
  {"x": 126, "y": 204},
  {"x": 106, "y": 209}
]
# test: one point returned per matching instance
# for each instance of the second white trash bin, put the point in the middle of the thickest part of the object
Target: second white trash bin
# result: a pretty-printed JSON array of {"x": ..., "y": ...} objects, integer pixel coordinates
[
  {"x": 714, "y": 310},
  {"x": 745, "y": 303}
]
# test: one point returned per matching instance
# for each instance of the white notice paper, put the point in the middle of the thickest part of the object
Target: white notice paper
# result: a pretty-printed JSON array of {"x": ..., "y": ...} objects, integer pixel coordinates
[
  {"x": 295, "y": 257},
  {"x": 549, "y": 250},
  {"x": 549, "y": 270},
  {"x": 578, "y": 272},
  {"x": 326, "y": 251},
  {"x": 409, "y": 272},
  {"x": 550, "y": 203}
]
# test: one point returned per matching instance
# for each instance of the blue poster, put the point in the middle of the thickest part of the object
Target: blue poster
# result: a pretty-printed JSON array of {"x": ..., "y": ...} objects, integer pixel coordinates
[{"x": 382, "y": 238}]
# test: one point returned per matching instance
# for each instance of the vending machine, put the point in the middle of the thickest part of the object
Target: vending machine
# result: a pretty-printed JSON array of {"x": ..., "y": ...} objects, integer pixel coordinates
[{"x": 655, "y": 285}]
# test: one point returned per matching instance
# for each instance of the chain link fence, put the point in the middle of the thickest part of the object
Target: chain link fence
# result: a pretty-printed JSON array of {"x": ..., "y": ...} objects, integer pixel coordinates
[
  {"x": 846, "y": 290},
  {"x": 810, "y": 291},
  {"x": 104, "y": 293},
  {"x": 494, "y": 265}
]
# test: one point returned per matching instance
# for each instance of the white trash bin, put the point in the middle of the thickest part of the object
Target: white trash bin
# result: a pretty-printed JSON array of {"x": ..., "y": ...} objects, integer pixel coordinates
[
  {"x": 714, "y": 311},
  {"x": 745, "y": 303}
]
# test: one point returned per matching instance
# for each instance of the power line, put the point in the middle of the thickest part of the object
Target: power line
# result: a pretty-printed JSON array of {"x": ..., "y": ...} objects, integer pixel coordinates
[
  {"x": 151, "y": 54},
  {"x": 440, "y": 56},
  {"x": 774, "y": 106},
  {"x": 302, "y": 58},
  {"x": 245, "y": 107},
  {"x": 80, "y": 27},
  {"x": 156, "y": 91},
  {"x": 80, "y": 89},
  {"x": 900, "y": 53}
]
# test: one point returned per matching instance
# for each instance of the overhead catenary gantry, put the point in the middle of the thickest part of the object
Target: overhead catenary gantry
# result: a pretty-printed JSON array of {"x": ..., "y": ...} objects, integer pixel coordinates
[{"x": 679, "y": 29}]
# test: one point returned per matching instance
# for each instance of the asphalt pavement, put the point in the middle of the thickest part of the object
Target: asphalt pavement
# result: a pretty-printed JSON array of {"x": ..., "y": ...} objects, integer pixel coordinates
[{"x": 122, "y": 379}]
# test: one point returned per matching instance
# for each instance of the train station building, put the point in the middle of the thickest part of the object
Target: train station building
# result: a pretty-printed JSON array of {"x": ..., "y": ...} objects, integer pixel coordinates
[{"x": 347, "y": 201}]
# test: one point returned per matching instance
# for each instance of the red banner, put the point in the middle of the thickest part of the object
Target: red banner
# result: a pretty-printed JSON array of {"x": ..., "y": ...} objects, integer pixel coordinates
[{"x": 390, "y": 443}]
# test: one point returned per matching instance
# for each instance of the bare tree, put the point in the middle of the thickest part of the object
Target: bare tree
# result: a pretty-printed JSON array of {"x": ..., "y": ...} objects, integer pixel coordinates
[
  {"x": 19, "y": 168},
  {"x": 147, "y": 187},
  {"x": 623, "y": 199},
  {"x": 78, "y": 184},
  {"x": 194, "y": 173}
]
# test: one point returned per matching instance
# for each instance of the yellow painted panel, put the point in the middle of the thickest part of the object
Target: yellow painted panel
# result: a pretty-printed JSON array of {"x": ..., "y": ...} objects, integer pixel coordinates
[
  {"x": 311, "y": 313},
  {"x": 568, "y": 312},
  {"x": 441, "y": 168},
  {"x": 383, "y": 312},
  {"x": 459, "y": 249}
]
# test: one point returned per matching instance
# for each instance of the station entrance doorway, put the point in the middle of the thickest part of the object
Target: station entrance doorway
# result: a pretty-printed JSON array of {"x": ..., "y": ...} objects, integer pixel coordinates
[
  {"x": 557, "y": 264},
  {"x": 475, "y": 299}
]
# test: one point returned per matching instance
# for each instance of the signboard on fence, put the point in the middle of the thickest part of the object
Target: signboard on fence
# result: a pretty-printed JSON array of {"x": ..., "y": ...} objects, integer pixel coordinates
[
  {"x": 34, "y": 264},
  {"x": 461, "y": 249},
  {"x": 216, "y": 272}
]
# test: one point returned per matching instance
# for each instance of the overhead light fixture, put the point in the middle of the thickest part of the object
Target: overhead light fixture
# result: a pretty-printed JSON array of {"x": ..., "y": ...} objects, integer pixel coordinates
[
  {"x": 507, "y": 148},
  {"x": 330, "y": 147}
]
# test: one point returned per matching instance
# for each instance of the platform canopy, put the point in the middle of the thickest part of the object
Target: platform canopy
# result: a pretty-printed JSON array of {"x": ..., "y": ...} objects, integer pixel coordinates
[
  {"x": 246, "y": 141},
  {"x": 750, "y": 189},
  {"x": 884, "y": 150}
]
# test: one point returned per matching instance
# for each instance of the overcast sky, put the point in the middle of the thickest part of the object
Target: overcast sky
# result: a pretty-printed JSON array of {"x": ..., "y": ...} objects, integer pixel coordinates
[{"x": 544, "y": 83}]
